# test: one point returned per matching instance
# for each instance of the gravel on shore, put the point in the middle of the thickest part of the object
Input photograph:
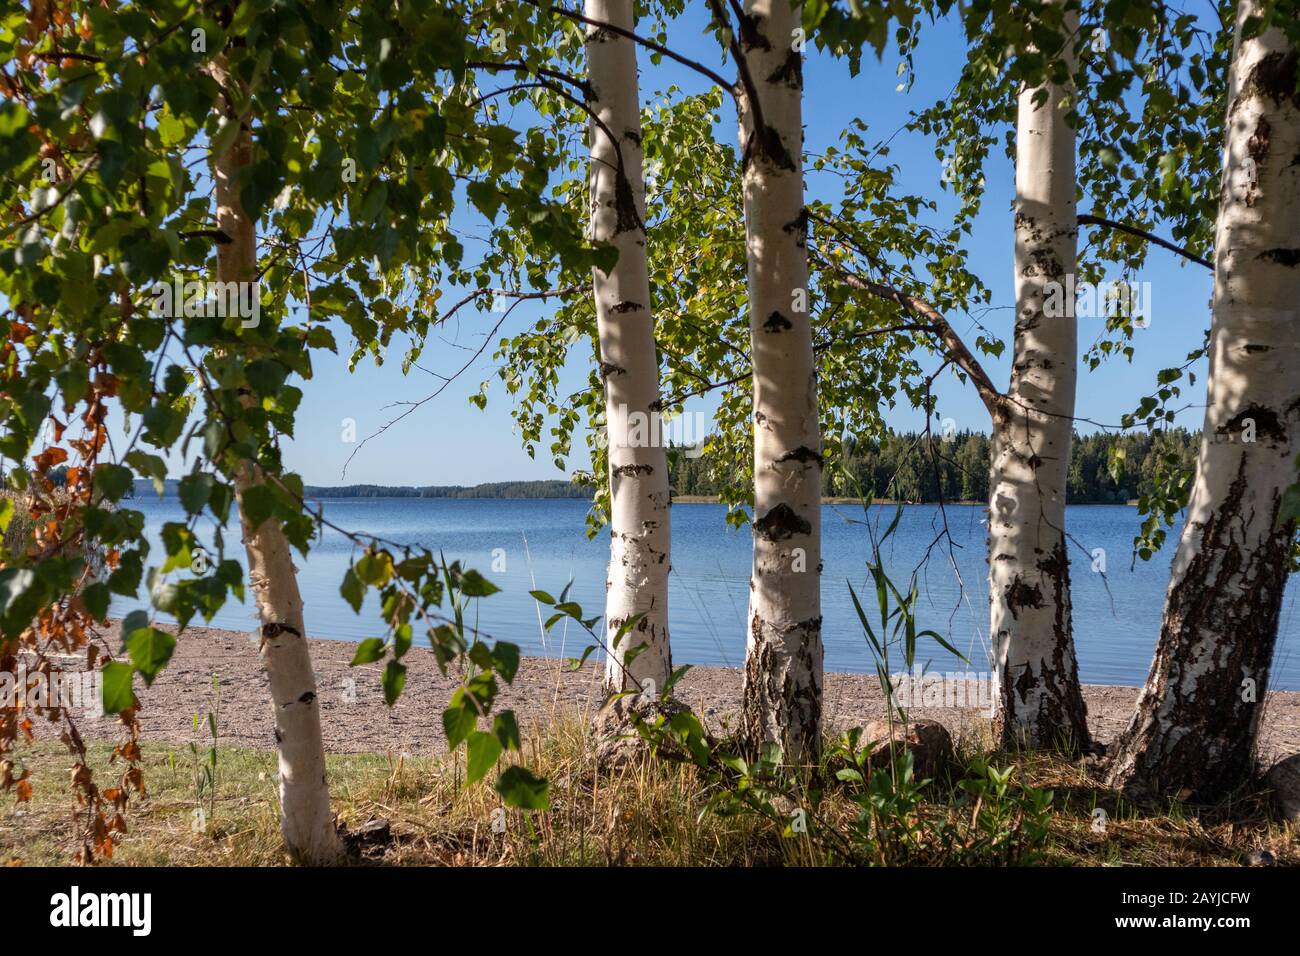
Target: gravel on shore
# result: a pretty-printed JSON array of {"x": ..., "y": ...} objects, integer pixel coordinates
[{"x": 355, "y": 718}]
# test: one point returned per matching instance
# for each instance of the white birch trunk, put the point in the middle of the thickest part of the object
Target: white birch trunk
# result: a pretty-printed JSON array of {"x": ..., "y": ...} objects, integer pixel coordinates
[
  {"x": 1197, "y": 720},
  {"x": 306, "y": 823},
  {"x": 1039, "y": 702},
  {"x": 638, "y": 465},
  {"x": 783, "y": 656}
]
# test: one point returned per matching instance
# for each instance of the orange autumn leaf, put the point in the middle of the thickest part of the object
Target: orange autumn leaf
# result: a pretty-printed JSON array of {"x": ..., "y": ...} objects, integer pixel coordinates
[{"x": 49, "y": 458}]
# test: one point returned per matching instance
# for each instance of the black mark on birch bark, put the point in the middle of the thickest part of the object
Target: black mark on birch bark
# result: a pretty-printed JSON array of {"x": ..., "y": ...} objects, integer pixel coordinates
[
  {"x": 1268, "y": 424},
  {"x": 802, "y": 454},
  {"x": 1274, "y": 76},
  {"x": 1020, "y": 595},
  {"x": 790, "y": 72},
  {"x": 781, "y": 522},
  {"x": 631, "y": 471},
  {"x": 1283, "y": 257},
  {"x": 799, "y": 227},
  {"x": 776, "y": 322},
  {"x": 751, "y": 34},
  {"x": 273, "y": 629},
  {"x": 626, "y": 217}
]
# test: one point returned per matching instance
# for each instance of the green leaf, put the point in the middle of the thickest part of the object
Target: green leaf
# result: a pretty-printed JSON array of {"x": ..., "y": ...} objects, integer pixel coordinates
[
  {"x": 393, "y": 681},
  {"x": 194, "y": 491},
  {"x": 150, "y": 649},
  {"x": 118, "y": 695},
  {"x": 97, "y": 598},
  {"x": 507, "y": 730},
  {"x": 483, "y": 749},
  {"x": 459, "y": 719},
  {"x": 519, "y": 787},
  {"x": 1290, "y": 508},
  {"x": 505, "y": 657},
  {"x": 575, "y": 663},
  {"x": 266, "y": 376},
  {"x": 473, "y": 584},
  {"x": 257, "y": 503},
  {"x": 170, "y": 129},
  {"x": 368, "y": 651},
  {"x": 112, "y": 481},
  {"x": 353, "y": 591},
  {"x": 486, "y": 196},
  {"x": 375, "y": 568}
]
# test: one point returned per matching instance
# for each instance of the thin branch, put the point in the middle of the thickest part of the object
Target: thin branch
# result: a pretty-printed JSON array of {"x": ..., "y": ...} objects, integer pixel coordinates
[
  {"x": 956, "y": 348},
  {"x": 644, "y": 41},
  {"x": 80, "y": 174},
  {"x": 675, "y": 400},
  {"x": 216, "y": 235},
  {"x": 1090, "y": 220},
  {"x": 411, "y": 407},
  {"x": 742, "y": 68},
  {"x": 522, "y": 67},
  {"x": 621, "y": 170}
]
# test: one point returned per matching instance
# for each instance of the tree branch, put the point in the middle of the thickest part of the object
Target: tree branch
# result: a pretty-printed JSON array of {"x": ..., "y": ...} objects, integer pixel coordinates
[
  {"x": 1090, "y": 220},
  {"x": 644, "y": 41},
  {"x": 522, "y": 67},
  {"x": 216, "y": 235},
  {"x": 742, "y": 69},
  {"x": 956, "y": 348},
  {"x": 412, "y": 406}
]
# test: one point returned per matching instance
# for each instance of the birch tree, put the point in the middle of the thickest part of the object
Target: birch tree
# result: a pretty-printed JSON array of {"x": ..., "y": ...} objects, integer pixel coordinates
[
  {"x": 1039, "y": 699},
  {"x": 306, "y": 822},
  {"x": 637, "y": 586},
  {"x": 782, "y": 702},
  {"x": 1197, "y": 717}
]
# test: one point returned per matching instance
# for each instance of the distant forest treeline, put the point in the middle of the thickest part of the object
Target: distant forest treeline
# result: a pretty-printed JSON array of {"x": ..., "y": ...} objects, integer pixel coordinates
[
  {"x": 904, "y": 467},
  {"x": 495, "y": 489},
  {"x": 901, "y": 466}
]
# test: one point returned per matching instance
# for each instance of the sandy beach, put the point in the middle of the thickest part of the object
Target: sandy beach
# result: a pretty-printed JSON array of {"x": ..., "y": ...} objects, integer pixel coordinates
[{"x": 356, "y": 719}]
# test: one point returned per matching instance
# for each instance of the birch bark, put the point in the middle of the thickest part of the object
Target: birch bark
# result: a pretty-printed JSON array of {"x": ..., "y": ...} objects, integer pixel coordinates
[
  {"x": 1197, "y": 719},
  {"x": 1039, "y": 701},
  {"x": 782, "y": 702},
  {"x": 306, "y": 822},
  {"x": 637, "y": 583}
]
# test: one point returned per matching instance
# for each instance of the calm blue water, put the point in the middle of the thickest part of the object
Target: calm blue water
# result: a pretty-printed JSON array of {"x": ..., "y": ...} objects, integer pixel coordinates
[{"x": 545, "y": 546}]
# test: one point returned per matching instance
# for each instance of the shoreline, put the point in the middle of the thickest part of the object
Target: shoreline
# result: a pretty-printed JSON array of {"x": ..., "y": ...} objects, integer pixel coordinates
[
  {"x": 676, "y": 499},
  {"x": 715, "y": 500},
  {"x": 355, "y": 719}
]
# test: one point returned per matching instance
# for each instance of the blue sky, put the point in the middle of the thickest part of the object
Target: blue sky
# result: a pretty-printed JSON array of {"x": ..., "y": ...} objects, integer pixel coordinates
[{"x": 449, "y": 441}]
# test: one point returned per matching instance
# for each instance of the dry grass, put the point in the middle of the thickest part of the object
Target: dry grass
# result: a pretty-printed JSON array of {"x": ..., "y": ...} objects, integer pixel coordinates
[
  {"x": 20, "y": 520},
  {"x": 648, "y": 814}
]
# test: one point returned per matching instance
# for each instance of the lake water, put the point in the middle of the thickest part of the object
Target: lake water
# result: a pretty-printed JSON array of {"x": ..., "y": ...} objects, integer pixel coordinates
[{"x": 544, "y": 545}]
